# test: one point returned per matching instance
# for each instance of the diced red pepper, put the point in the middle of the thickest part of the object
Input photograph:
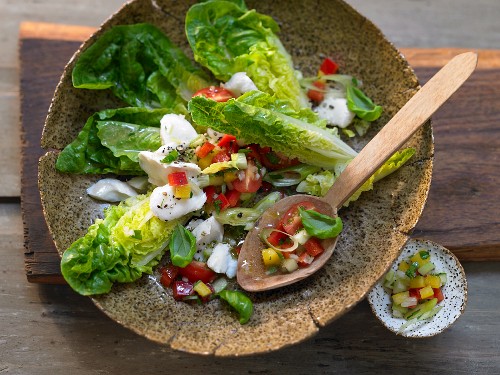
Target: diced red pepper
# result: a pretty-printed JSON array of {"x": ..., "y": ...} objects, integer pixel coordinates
[
  {"x": 221, "y": 202},
  {"x": 233, "y": 197},
  {"x": 317, "y": 96},
  {"x": 210, "y": 193},
  {"x": 205, "y": 149},
  {"x": 168, "y": 274},
  {"x": 195, "y": 271},
  {"x": 177, "y": 179},
  {"x": 438, "y": 293},
  {"x": 305, "y": 259},
  {"x": 226, "y": 140},
  {"x": 277, "y": 238},
  {"x": 328, "y": 66},
  {"x": 313, "y": 247},
  {"x": 182, "y": 289}
]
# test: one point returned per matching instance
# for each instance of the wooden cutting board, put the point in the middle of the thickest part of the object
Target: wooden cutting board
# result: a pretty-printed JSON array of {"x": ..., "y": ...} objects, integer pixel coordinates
[{"x": 462, "y": 211}]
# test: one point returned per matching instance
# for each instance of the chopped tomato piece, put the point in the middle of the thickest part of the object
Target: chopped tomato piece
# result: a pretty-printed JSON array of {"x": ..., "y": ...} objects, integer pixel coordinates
[
  {"x": 251, "y": 181},
  {"x": 221, "y": 202},
  {"x": 217, "y": 93},
  {"x": 328, "y": 66},
  {"x": 195, "y": 271},
  {"x": 204, "y": 150},
  {"x": 168, "y": 274},
  {"x": 177, "y": 179},
  {"x": 317, "y": 96},
  {"x": 254, "y": 152},
  {"x": 233, "y": 197},
  {"x": 182, "y": 289},
  {"x": 222, "y": 155},
  {"x": 305, "y": 259},
  {"x": 291, "y": 221},
  {"x": 313, "y": 247},
  {"x": 277, "y": 238},
  {"x": 210, "y": 193},
  {"x": 273, "y": 160},
  {"x": 438, "y": 293}
]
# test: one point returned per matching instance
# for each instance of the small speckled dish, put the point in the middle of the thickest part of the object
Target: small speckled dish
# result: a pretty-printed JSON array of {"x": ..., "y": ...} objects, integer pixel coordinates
[
  {"x": 455, "y": 293},
  {"x": 375, "y": 227}
]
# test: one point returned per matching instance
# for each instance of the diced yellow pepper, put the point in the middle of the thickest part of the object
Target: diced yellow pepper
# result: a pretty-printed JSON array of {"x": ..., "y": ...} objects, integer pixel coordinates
[
  {"x": 399, "y": 298},
  {"x": 426, "y": 292},
  {"x": 403, "y": 266},
  {"x": 417, "y": 282},
  {"x": 433, "y": 281},
  {"x": 417, "y": 258},
  {"x": 207, "y": 160},
  {"x": 202, "y": 289},
  {"x": 182, "y": 191},
  {"x": 270, "y": 257},
  {"x": 230, "y": 176}
]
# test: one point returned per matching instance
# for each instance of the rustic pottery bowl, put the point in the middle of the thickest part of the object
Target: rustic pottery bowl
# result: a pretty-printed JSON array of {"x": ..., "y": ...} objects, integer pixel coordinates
[
  {"x": 455, "y": 293},
  {"x": 376, "y": 226}
]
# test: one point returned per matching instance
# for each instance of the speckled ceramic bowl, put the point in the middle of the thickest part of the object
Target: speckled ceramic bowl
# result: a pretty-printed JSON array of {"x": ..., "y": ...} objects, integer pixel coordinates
[
  {"x": 455, "y": 293},
  {"x": 376, "y": 226}
]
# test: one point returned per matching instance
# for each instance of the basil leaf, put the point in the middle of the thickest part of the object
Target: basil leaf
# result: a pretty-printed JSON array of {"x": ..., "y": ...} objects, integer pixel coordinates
[
  {"x": 182, "y": 246},
  {"x": 319, "y": 225},
  {"x": 362, "y": 105},
  {"x": 240, "y": 302}
]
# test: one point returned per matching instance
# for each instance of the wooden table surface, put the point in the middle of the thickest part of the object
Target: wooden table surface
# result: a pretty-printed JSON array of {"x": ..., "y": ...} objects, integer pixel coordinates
[{"x": 49, "y": 329}]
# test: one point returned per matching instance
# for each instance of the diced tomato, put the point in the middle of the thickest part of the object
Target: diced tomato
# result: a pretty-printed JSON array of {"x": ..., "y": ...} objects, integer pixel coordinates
[
  {"x": 217, "y": 93},
  {"x": 221, "y": 202},
  {"x": 177, "y": 179},
  {"x": 328, "y": 66},
  {"x": 254, "y": 153},
  {"x": 317, "y": 96},
  {"x": 168, "y": 274},
  {"x": 251, "y": 181},
  {"x": 438, "y": 293},
  {"x": 195, "y": 271},
  {"x": 205, "y": 149},
  {"x": 277, "y": 238},
  {"x": 226, "y": 140},
  {"x": 291, "y": 221},
  {"x": 182, "y": 289},
  {"x": 233, "y": 197},
  {"x": 222, "y": 155},
  {"x": 210, "y": 193},
  {"x": 305, "y": 259},
  {"x": 313, "y": 247},
  {"x": 273, "y": 160}
]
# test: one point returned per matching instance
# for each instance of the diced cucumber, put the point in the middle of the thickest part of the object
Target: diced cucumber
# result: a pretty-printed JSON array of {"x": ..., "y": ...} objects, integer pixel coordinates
[
  {"x": 399, "y": 286},
  {"x": 301, "y": 236},
  {"x": 443, "y": 277},
  {"x": 219, "y": 284},
  {"x": 426, "y": 268},
  {"x": 289, "y": 265}
]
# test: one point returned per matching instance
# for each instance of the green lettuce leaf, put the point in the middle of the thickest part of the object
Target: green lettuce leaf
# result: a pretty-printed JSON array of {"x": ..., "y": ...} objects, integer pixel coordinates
[
  {"x": 128, "y": 242},
  {"x": 111, "y": 140},
  {"x": 227, "y": 39},
  {"x": 141, "y": 66},
  {"x": 257, "y": 117},
  {"x": 319, "y": 183}
]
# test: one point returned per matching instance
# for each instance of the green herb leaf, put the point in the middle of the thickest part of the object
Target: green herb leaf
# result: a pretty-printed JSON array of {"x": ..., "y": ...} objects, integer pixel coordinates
[
  {"x": 362, "y": 105},
  {"x": 319, "y": 225},
  {"x": 172, "y": 156},
  {"x": 240, "y": 302},
  {"x": 412, "y": 271},
  {"x": 424, "y": 255},
  {"x": 182, "y": 246}
]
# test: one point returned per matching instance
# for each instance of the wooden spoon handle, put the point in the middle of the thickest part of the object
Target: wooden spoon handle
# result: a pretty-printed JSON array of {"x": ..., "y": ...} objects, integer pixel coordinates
[{"x": 401, "y": 127}]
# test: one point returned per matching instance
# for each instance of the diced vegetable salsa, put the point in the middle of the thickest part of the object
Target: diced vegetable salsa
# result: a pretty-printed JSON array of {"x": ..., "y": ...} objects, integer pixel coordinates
[
  {"x": 416, "y": 288},
  {"x": 296, "y": 240}
]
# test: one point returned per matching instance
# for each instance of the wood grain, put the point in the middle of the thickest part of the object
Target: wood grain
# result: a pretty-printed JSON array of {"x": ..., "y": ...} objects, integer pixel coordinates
[{"x": 462, "y": 211}]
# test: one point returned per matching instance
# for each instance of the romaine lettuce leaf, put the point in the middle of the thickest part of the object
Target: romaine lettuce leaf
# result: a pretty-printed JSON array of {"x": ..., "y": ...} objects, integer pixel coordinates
[
  {"x": 319, "y": 183},
  {"x": 111, "y": 140},
  {"x": 227, "y": 39},
  {"x": 119, "y": 248},
  {"x": 257, "y": 117},
  {"x": 141, "y": 66}
]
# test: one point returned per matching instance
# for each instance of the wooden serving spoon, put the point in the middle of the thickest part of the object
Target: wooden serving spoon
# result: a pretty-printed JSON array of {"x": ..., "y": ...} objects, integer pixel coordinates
[{"x": 251, "y": 274}]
